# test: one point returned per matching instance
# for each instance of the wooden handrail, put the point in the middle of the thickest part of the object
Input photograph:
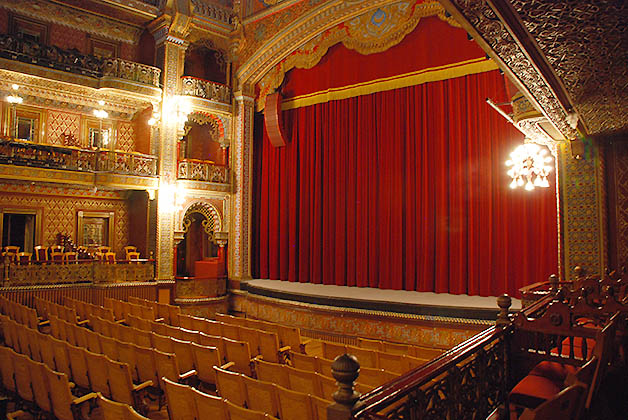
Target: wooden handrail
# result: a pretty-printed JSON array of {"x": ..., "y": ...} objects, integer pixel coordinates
[{"x": 386, "y": 394}]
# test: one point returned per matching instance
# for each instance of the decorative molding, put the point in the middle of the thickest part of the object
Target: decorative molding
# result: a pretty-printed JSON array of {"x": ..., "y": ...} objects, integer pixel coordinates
[
  {"x": 586, "y": 45},
  {"x": 68, "y": 16},
  {"x": 369, "y": 33},
  {"x": 488, "y": 30},
  {"x": 212, "y": 223}
]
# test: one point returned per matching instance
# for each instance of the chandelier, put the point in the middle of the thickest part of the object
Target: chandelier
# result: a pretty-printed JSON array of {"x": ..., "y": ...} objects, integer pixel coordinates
[{"x": 529, "y": 166}]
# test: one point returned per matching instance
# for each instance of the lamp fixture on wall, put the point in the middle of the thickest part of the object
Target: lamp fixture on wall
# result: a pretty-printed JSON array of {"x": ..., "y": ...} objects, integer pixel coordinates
[
  {"x": 101, "y": 114},
  {"x": 14, "y": 99},
  {"x": 529, "y": 166}
]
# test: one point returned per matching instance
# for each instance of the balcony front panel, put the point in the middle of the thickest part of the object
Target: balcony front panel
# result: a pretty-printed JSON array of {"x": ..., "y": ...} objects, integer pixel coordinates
[{"x": 205, "y": 89}]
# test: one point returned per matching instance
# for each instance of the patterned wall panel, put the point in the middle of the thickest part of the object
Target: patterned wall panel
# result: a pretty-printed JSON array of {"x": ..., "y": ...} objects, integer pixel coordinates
[
  {"x": 68, "y": 38},
  {"x": 60, "y": 123},
  {"x": 582, "y": 197},
  {"x": 126, "y": 136},
  {"x": 619, "y": 209},
  {"x": 60, "y": 206},
  {"x": 128, "y": 51}
]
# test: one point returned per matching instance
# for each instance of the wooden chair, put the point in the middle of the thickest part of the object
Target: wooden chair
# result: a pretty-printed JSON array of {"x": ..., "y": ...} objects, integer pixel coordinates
[
  {"x": 148, "y": 313},
  {"x": 7, "y": 369},
  {"x": 230, "y": 386},
  {"x": 103, "y": 249},
  {"x": 24, "y": 258},
  {"x": 46, "y": 350},
  {"x": 424, "y": 352},
  {"x": 173, "y": 315},
  {"x": 70, "y": 257},
  {"x": 211, "y": 327},
  {"x": 162, "y": 343},
  {"x": 133, "y": 256},
  {"x": 57, "y": 248},
  {"x": 33, "y": 344},
  {"x": 239, "y": 413},
  {"x": 41, "y": 253},
  {"x": 396, "y": 348},
  {"x": 109, "y": 346},
  {"x": 367, "y": 358},
  {"x": 294, "y": 405},
  {"x": 261, "y": 396},
  {"x": 64, "y": 405},
  {"x": 251, "y": 336},
  {"x": 303, "y": 381},
  {"x": 98, "y": 375},
  {"x": 112, "y": 410},
  {"x": 303, "y": 361},
  {"x": 39, "y": 382},
  {"x": 12, "y": 249},
  {"x": 367, "y": 343},
  {"x": 181, "y": 404},
  {"x": 291, "y": 336},
  {"x": 129, "y": 249},
  {"x": 56, "y": 257},
  {"x": 214, "y": 341},
  {"x": 205, "y": 358},
  {"x": 390, "y": 362},
  {"x": 78, "y": 366},
  {"x": 238, "y": 352},
  {"x": 122, "y": 388},
  {"x": 110, "y": 258},
  {"x": 62, "y": 357},
  {"x": 93, "y": 341},
  {"x": 23, "y": 378},
  {"x": 564, "y": 405},
  {"x": 189, "y": 335},
  {"x": 167, "y": 367},
  {"x": 206, "y": 403},
  {"x": 142, "y": 338},
  {"x": 271, "y": 372},
  {"x": 185, "y": 356},
  {"x": 319, "y": 407},
  {"x": 269, "y": 347}
]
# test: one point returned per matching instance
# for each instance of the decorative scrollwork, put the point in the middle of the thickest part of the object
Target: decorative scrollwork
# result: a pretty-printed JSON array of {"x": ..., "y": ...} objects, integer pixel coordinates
[{"x": 211, "y": 222}]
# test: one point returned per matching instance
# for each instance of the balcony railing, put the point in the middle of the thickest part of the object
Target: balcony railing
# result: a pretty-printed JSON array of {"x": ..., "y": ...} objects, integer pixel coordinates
[
  {"x": 213, "y": 11},
  {"x": 15, "y": 47},
  {"x": 201, "y": 88},
  {"x": 24, "y": 153},
  {"x": 202, "y": 170}
]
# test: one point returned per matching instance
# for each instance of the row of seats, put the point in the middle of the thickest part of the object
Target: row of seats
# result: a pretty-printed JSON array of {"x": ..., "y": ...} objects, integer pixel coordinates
[
  {"x": 89, "y": 371},
  {"x": 121, "y": 309},
  {"x": 368, "y": 376},
  {"x": 169, "y": 313},
  {"x": 38, "y": 385},
  {"x": 396, "y": 363},
  {"x": 69, "y": 313},
  {"x": 305, "y": 381},
  {"x": 419, "y": 352},
  {"x": 21, "y": 313}
]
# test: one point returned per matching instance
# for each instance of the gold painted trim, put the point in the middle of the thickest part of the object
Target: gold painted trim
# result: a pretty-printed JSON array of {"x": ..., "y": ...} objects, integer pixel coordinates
[
  {"x": 432, "y": 74},
  {"x": 366, "y": 312}
]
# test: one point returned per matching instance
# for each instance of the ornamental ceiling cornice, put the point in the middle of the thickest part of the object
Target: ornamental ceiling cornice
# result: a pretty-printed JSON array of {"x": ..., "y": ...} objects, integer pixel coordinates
[
  {"x": 360, "y": 34},
  {"x": 54, "y": 94},
  {"x": 497, "y": 38},
  {"x": 300, "y": 31},
  {"x": 67, "y": 16}
]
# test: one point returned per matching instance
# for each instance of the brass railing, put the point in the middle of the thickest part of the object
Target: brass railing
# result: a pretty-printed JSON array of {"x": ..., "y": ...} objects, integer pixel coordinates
[
  {"x": 25, "y": 153},
  {"x": 79, "y": 271},
  {"x": 206, "y": 89},
  {"x": 202, "y": 170},
  {"x": 15, "y": 47}
]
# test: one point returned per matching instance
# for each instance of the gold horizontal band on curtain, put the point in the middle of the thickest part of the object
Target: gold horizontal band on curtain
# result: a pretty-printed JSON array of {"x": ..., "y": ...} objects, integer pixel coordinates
[{"x": 432, "y": 74}]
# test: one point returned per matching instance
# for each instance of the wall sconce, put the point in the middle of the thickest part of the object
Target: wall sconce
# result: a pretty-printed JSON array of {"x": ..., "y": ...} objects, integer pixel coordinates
[
  {"x": 101, "y": 114},
  {"x": 14, "y": 99},
  {"x": 172, "y": 197},
  {"x": 177, "y": 108}
]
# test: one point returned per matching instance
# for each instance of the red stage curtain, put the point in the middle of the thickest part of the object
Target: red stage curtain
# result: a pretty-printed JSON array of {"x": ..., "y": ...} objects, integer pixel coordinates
[{"x": 404, "y": 189}]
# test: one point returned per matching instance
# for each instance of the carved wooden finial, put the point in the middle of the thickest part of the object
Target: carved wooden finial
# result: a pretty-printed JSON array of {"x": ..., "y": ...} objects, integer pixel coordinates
[
  {"x": 345, "y": 369},
  {"x": 553, "y": 282},
  {"x": 578, "y": 271},
  {"x": 504, "y": 302}
]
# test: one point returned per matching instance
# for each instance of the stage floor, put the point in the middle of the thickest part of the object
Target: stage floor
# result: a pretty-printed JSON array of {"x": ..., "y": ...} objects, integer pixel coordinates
[{"x": 401, "y": 301}]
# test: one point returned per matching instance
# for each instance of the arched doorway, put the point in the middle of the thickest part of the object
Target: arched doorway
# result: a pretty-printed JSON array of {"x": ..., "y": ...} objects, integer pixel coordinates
[{"x": 198, "y": 254}]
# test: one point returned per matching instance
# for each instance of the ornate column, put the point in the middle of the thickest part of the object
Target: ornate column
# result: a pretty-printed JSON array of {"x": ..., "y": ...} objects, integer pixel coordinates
[
  {"x": 241, "y": 149},
  {"x": 170, "y": 53}
]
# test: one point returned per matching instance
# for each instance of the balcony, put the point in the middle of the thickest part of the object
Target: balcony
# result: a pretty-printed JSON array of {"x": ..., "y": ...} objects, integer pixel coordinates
[
  {"x": 107, "y": 70},
  {"x": 202, "y": 170},
  {"x": 205, "y": 89},
  {"x": 73, "y": 165}
]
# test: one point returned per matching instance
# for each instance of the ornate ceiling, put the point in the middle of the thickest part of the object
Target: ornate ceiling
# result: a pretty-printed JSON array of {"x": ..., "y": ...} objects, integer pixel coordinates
[{"x": 569, "y": 57}]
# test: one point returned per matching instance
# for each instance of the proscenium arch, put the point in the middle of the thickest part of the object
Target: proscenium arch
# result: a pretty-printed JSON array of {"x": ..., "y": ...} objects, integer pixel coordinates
[
  {"x": 299, "y": 33},
  {"x": 212, "y": 222}
]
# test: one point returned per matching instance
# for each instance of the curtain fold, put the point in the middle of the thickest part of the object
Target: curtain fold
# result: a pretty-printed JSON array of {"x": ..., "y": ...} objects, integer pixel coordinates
[{"x": 402, "y": 189}]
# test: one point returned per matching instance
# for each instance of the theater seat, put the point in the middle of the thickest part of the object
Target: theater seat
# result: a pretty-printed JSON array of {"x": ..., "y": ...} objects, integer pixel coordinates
[
  {"x": 534, "y": 390},
  {"x": 554, "y": 371}
]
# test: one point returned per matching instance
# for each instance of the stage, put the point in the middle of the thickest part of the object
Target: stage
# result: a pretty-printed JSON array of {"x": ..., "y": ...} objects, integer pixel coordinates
[{"x": 395, "y": 301}]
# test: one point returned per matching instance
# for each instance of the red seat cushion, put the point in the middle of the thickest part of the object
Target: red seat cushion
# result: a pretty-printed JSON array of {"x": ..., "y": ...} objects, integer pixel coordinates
[
  {"x": 554, "y": 371},
  {"x": 534, "y": 390}
]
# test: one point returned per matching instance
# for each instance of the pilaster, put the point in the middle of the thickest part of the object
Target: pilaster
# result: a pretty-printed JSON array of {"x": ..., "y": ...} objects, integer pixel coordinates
[{"x": 240, "y": 232}]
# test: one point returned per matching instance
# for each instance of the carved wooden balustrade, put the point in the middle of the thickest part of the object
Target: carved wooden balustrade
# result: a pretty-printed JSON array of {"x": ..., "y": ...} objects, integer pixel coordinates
[
  {"x": 213, "y": 91},
  {"x": 213, "y": 11},
  {"x": 18, "y": 152},
  {"x": 132, "y": 163},
  {"x": 129, "y": 70},
  {"x": 79, "y": 271},
  {"x": 15, "y": 47},
  {"x": 202, "y": 170}
]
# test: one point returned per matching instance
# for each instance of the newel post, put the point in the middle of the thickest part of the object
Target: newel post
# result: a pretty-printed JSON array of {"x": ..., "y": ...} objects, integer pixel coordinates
[
  {"x": 345, "y": 369},
  {"x": 553, "y": 283},
  {"x": 504, "y": 302}
]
